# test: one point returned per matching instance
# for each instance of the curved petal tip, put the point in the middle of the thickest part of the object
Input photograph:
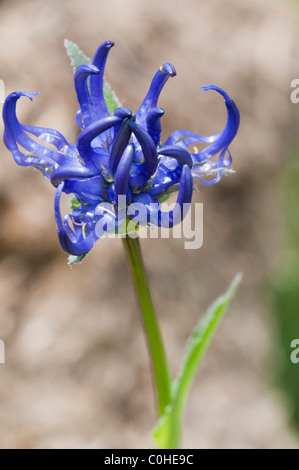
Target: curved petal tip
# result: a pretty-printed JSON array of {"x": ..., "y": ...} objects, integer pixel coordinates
[
  {"x": 88, "y": 69},
  {"x": 17, "y": 94},
  {"x": 168, "y": 69},
  {"x": 218, "y": 89},
  {"x": 109, "y": 44}
]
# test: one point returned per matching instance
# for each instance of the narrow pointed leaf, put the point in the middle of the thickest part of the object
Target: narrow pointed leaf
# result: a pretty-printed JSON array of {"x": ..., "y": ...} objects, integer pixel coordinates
[
  {"x": 75, "y": 54},
  {"x": 167, "y": 431}
]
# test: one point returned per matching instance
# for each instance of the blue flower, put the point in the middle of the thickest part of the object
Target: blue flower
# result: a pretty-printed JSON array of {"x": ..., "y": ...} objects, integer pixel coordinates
[{"x": 118, "y": 155}]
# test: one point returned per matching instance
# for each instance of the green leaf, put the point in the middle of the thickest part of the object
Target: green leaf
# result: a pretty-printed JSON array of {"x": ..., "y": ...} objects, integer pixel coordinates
[
  {"x": 110, "y": 97},
  {"x": 167, "y": 431},
  {"x": 78, "y": 58},
  {"x": 75, "y": 54}
]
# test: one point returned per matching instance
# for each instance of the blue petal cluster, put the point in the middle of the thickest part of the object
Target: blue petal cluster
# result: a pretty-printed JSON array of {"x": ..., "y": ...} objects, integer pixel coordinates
[{"x": 116, "y": 155}]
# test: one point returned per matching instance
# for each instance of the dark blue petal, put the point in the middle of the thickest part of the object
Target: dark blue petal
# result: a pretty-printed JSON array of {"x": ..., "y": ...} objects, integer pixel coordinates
[
  {"x": 119, "y": 144},
  {"x": 122, "y": 173},
  {"x": 124, "y": 113},
  {"x": 151, "y": 99},
  {"x": 96, "y": 82},
  {"x": 148, "y": 148},
  {"x": 90, "y": 133},
  {"x": 153, "y": 124},
  {"x": 75, "y": 243},
  {"x": 16, "y": 134},
  {"x": 86, "y": 111},
  {"x": 62, "y": 173}
]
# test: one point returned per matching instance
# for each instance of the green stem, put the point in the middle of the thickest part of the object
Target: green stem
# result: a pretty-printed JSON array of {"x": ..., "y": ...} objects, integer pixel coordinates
[{"x": 152, "y": 330}]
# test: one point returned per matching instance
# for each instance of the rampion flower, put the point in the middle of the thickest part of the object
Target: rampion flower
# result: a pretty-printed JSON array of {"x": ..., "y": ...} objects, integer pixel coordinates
[{"x": 117, "y": 155}]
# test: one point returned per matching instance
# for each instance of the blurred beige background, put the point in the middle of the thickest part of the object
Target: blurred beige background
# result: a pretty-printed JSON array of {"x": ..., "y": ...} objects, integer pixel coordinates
[{"x": 77, "y": 370}]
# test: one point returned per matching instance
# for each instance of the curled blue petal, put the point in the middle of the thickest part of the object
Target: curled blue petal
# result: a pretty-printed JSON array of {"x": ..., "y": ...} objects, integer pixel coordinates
[
  {"x": 76, "y": 243},
  {"x": 229, "y": 132},
  {"x": 218, "y": 142},
  {"x": 62, "y": 173},
  {"x": 153, "y": 124},
  {"x": 91, "y": 132},
  {"x": 124, "y": 113},
  {"x": 119, "y": 144},
  {"x": 148, "y": 148},
  {"x": 86, "y": 111},
  {"x": 150, "y": 101},
  {"x": 123, "y": 170},
  {"x": 96, "y": 82},
  {"x": 180, "y": 154},
  {"x": 16, "y": 137}
]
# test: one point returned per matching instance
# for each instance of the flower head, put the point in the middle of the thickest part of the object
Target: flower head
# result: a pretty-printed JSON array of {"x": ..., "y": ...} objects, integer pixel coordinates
[{"x": 117, "y": 155}]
